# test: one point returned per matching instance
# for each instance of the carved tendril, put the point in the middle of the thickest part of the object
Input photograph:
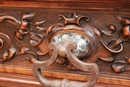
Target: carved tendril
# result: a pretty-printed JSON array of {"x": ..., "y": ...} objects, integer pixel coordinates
[
  {"x": 124, "y": 33},
  {"x": 112, "y": 29},
  {"x": 37, "y": 25},
  {"x": 10, "y": 19},
  {"x": 26, "y": 50},
  {"x": 119, "y": 66},
  {"x": 10, "y": 52},
  {"x": 24, "y": 26},
  {"x": 99, "y": 35}
]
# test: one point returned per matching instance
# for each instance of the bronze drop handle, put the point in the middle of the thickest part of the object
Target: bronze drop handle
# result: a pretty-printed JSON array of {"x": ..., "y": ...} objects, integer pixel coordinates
[{"x": 91, "y": 67}]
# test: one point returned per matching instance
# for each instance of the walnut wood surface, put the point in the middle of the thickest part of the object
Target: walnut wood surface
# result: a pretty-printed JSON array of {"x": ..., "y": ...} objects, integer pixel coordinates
[
  {"x": 101, "y": 14},
  {"x": 73, "y": 4},
  {"x": 19, "y": 80}
]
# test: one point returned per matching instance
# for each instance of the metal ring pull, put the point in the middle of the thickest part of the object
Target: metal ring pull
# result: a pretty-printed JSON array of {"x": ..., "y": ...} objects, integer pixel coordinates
[{"x": 91, "y": 67}]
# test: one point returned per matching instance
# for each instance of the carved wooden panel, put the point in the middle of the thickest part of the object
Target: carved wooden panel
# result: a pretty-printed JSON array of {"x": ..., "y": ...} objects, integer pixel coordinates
[{"x": 26, "y": 33}]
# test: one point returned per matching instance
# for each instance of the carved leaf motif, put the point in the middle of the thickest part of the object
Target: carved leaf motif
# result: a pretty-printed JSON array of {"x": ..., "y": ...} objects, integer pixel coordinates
[
  {"x": 12, "y": 51},
  {"x": 19, "y": 36},
  {"x": 40, "y": 29},
  {"x": 23, "y": 50},
  {"x": 125, "y": 30},
  {"x": 112, "y": 29},
  {"x": 28, "y": 17},
  {"x": 26, "y": 50},
  {"x": 5, "y": 55},
  {"x": 37, "y": 25},
  {"x": 32, "y": 59},
  {"x": 119, "y": 68},
  {"x": 23, "y": 32},
  {"x": 107, "y": 59},
  {"x": 123, "y": 20},
  {"x": 127, "y": 59},
  {"x": 10, "y": 19},
  {"x": 33, "y": 42},
  {"x": 40, "y": 35},
  {"x": 34, "y": 36}
]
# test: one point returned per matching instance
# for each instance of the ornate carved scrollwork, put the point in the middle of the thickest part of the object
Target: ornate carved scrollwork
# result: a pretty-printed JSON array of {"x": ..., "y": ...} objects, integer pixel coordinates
[
  {"x": 73, "y": 26},
  {"x": 63, "y": 42},
  {"x": 24, "y": 27},
  {"x": 11, "y": 51},
  {"x": 119, "y": 66},
  {"x": 124, "y": 36},
  {"x": 87, "y": 40}
]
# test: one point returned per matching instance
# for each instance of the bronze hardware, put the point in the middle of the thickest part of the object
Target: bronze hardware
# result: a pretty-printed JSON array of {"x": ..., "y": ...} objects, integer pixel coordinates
[
  {"x": 91, "y": 67},
  {"x": 73, "y": 26},
  {"x": 63, "y": 41}
]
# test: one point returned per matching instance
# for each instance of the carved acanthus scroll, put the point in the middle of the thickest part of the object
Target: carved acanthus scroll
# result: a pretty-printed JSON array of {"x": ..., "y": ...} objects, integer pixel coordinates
[
  {"x": 124, "y": 36},
  {"x": 11, "y": 50},
  {"x": 25, "y": 27},
  {"x": 88, "y": 41}
]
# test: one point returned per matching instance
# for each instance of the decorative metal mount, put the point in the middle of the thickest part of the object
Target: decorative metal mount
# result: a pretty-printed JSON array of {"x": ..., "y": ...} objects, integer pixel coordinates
[
  {"x": 91, "y": 67},
  {"x": 63, "y": 42}
]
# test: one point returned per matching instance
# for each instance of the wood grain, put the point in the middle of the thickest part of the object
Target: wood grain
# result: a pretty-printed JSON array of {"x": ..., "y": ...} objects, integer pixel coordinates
[
  {"x": 73, "y": 4},
  {"x": 18, "y": 80}
]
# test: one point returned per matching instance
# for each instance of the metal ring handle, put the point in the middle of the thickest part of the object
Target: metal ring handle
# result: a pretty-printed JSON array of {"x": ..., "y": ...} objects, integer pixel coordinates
[{"x": 91, "y": 67}]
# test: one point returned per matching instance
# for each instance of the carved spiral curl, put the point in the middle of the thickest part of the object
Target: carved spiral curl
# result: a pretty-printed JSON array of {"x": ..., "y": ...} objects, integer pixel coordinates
[{"x": 11, "y": 51}]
